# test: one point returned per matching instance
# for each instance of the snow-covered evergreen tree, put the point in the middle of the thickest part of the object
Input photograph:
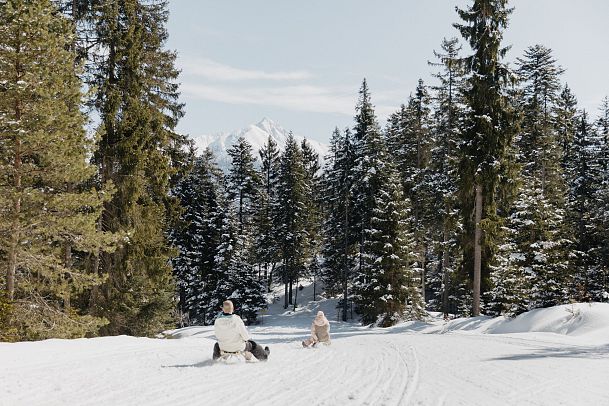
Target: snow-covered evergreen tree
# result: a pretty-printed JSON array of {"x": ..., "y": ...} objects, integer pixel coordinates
[
  {"x": 448, "y": 103},
  {"x": 385, "y": 286},
  {"x": 584, "y": 175},
  {"x": 566, "y": 122},
  {"x": 243, "y": 183},
  {"x": 387, "y": 290},
  {"x": 488, "y": 131},
  {"x": 236, "y": 278},
  {"x": 338, "y": 241},
  {"x": 202, "y": 196},
  {"x": 265, "y": 244},
  {"x": 411, "y": 144},
  {"x": 537, "y": 225},
  {"x": 291, "y": 216}
]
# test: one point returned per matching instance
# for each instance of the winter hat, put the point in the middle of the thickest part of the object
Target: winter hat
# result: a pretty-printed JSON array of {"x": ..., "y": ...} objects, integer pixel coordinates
[{"x": 320, "y": 319}]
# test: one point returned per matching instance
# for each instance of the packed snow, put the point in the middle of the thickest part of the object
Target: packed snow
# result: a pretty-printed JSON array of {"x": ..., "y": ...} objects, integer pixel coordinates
[
  {"x": 257, "y": 136},
  {"x": 555, "y": 356}
]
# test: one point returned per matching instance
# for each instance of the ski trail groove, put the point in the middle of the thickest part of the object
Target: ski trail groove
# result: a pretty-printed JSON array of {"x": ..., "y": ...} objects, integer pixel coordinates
[{"x": 413, "y": 377}]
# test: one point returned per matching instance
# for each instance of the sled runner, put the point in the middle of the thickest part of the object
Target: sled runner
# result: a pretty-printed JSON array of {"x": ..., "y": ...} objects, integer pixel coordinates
[{"x": 239, "y": 357}]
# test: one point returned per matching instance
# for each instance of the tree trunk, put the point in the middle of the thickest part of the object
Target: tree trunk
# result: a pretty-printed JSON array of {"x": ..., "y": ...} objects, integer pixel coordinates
[
  {"x": 477, "y": 252},
  {"x": 346, "y": 264},
  {"x": 445, "y": 282},
  {"x": 285, "y": 293},
  {"x": 15, "y": 228},
  {"x": 290, "y": 291},
  {"x": 270, "y": 280},
  {"x": 296, "y": 295},
  {"x": 423, "y": 256}
]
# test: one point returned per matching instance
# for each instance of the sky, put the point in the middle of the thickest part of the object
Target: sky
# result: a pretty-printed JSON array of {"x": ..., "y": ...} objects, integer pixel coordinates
[{"x": 301, "y": 63}]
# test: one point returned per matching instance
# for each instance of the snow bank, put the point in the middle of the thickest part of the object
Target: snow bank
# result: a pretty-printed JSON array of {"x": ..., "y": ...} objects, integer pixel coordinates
[
  {"x": 588, "y": 322},
  {"x": 585, "y": 320}
]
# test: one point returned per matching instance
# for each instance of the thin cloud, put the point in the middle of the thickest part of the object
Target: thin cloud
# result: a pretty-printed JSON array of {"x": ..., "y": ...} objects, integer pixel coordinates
[
  {"x": 300, "y": 98},
  {"x": 305, "y": 98},
  {"x": 213, "y": 70}
]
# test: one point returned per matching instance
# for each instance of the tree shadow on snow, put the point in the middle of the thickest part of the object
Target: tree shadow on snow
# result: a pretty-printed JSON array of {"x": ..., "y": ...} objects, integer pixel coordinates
[{"x": 588, "y": 352}]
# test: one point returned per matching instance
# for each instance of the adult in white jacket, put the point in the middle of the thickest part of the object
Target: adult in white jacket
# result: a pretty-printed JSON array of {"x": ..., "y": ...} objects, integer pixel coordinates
[{"x": 233, "y": 337}]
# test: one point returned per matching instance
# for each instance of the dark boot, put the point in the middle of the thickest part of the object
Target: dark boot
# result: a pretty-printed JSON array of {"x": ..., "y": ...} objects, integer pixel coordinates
[
  {"x": 216, "y": 351},
  {"x": 260, "y": 353}
]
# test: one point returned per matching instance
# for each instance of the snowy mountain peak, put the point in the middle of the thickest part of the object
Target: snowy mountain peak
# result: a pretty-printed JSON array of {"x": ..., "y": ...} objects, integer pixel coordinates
[
  {"x": 266, "y": 124},
  {"x": 255, "y": 134}
]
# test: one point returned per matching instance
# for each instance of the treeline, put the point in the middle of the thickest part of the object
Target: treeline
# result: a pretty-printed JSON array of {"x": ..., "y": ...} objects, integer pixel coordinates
[
  {"x": 241, "y": 229},
  {"x": 487, "y": 191},
  {"x": 84, "y": 215}
]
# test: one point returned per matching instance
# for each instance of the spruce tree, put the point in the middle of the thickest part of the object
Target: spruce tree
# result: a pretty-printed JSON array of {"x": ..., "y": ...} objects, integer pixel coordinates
[
  {"x": 243, "y": 183},
  {"x": 387, "y": 290},
  {"x": 235, "y": 279},
  {"x": 447, "y": 116},
  {"x": 197, "y": 237},
  {"x": 566, "y": 121},
  {"x": 313, "y": 198},
  {"x": 137, "y": 102},
  {"x": 600, "y": 219},
  {"x": 488, "y": 132},
  {"x": 538, "y": 142},
  {"x": 48, "y": 209},
  {"x": 412, "y": 144},
  {"x": 338, "y": 241},
  {"x": 584, "y": 174},
  {"x": 265, "y": 244},
  {"x": 290, "y": 216},
  {"x": 366, "y": 175}
]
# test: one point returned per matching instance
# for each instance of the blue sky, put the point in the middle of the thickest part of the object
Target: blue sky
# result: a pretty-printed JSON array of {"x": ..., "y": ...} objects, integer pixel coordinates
[{"x": 301, "y": 63}]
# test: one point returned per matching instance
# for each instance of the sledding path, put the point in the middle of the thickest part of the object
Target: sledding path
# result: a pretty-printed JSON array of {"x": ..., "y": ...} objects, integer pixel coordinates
[{"x": 411, "y": 364}]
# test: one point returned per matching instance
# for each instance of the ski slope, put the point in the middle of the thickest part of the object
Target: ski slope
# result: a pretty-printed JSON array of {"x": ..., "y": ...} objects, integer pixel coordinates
[{"x": 557, "y": 356}]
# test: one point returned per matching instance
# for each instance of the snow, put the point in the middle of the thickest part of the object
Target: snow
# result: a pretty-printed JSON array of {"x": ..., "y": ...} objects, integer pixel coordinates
[
  {"x": 555, "y": 356},
  {"x": 255, "y": 134}
]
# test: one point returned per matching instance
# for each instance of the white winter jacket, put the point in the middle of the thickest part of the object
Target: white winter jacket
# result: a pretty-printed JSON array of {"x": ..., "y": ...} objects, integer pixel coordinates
[{"x": 230, "y": 332}]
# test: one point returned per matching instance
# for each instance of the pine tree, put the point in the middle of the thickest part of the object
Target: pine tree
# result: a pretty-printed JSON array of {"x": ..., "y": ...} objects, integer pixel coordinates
[
  {"x": 600, "y": 219},
  {"x": 48, "y": 210},
  {"x": 338, "y": 241},
  {"x": 411, "y": 144},
  {"x": 198, "y": 236},
  {"x": 243, "y": 183},
  {"x": 290, "y": 220},
  {"x": 566, "y": 122},
  {"x": 538, "y": 219},
  {"x": 583, "y": 171},
  {"x": 488, "y": 132},
  {"x": 265, "y": 244},
  {"x": 387, "y": 290},
  {"x": 313, "y": 198},
  {"x": 539, "y": 148},
  {"x": 443, "y": 180},
  {"x": 235, "y": 275},
  {"x": 137, "y": 102},
  {"x": 366, "y": 181}
]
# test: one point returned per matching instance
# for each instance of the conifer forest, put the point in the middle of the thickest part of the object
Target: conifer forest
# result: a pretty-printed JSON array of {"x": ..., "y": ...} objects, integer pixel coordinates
[{"x": 485, "y": 192}]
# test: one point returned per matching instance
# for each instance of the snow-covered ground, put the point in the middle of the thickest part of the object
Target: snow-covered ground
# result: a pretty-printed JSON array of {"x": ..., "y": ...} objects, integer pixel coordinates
[{"x": 557, "y": 356}]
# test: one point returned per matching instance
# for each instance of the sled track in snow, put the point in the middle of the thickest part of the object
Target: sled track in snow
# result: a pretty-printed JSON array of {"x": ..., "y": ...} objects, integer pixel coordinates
[{"x": 413, "y": 377}]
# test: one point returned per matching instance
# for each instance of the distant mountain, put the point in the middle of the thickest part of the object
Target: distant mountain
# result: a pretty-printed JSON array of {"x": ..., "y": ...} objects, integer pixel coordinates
[{"x": 257, "y": 135}]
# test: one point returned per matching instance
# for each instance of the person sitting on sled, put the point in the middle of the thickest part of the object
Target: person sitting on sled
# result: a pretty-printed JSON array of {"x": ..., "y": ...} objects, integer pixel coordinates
[
  {"x": 233, "y": 337},
  {"x": 320, "y": 331}
]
